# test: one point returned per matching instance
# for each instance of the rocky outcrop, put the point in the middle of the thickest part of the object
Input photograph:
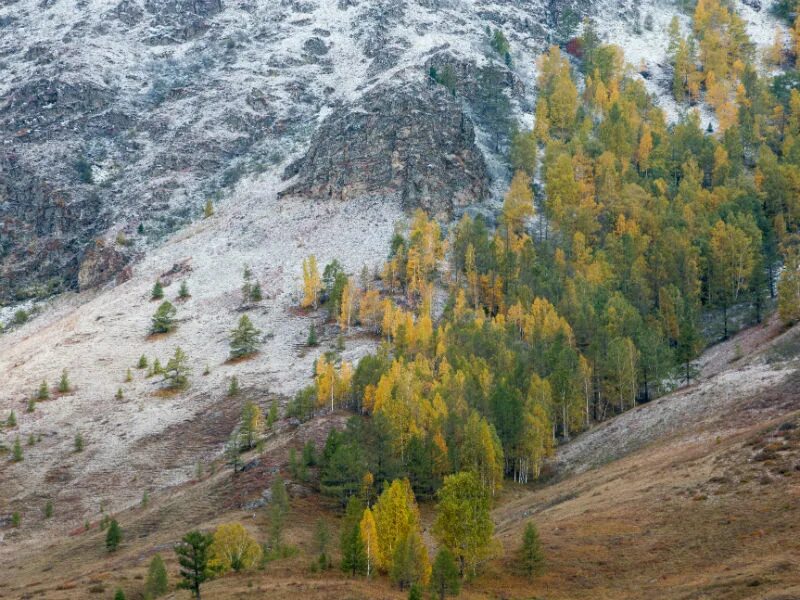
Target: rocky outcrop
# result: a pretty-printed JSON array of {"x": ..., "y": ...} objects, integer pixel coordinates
[
  {"x": 126, "y": 115},
  {"x": 100, "y": 265},
  {"x": 42, "y": 232},
  {"x": 412, "y": 142}
]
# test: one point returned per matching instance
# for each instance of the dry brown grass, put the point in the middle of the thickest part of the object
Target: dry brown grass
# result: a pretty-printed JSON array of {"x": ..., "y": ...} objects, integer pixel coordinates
[{"x": 710, "y": 512}]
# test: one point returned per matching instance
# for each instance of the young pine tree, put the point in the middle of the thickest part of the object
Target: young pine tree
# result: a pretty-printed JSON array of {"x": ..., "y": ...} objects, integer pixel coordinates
[
  {"x": 157, "y": 292},
  {"x": 531, "y": 555},
  {"x": 63, "y": 383},
  {"x": 113, "y": 536},
  {"x": 142, "y": 364},
  {"x": 445, "y": 578},
  {"x": 322, "y": 538},
  {"x": 43, "y": 393},
  {"x": 183, "y": 291},
  {"x": 78, "y": 442},
  {"x": 312, "y": 337},
  {"x": 255, "y": 293},
  {"x": 354, "y": 557},
  {"x": 193, "y": 560},
  {"x": 48, "y": 509},
  {"x": 176, "y": 374},
  {"x": 119, "y": 594},
  {"x": 16, "y": 453},
  {"x": 163, "y": 320},
  {"x": 157, "y": 583},
  {"x": 278, "y": 512},
  {"x": 208, "y": 209},
  {"x": 244, "y": 339},
  {"x": 233, "y": 386},
  {"x": 11, "y": 421}
]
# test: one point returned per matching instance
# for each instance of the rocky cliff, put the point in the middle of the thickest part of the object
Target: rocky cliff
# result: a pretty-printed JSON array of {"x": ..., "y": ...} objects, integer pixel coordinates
[{"x": 124, "y": 116}]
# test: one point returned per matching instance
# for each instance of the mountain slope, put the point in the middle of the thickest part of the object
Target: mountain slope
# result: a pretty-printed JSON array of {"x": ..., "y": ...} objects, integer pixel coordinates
[{"x": 705, "y": 510}]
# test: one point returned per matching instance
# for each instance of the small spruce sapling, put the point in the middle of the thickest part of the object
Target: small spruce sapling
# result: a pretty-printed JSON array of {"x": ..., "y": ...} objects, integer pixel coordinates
[
  {"x": 142, "y": 364},
  {"x": 63, "y": 383},
  {"x": 118, "y": 395},
  {"x": 531, "y": 555},
  {"x": 183, "y": 291},
  {"x": 233, "y": 386},
  {"x": 255, "y": 292},
  {"x": 163, "y": 320},
  {"x": 113, "y": 536},
  {"x": 43, "y": 393},
  {"x": 156, "y": 583},
  {"x": 244, "y": 338},
  {"x": 157, "y": 292},
  {"x": 78, "y": 442},
  {"x": 11, "y": 421},
  {"x": 31, "y": 405},
  {"x": 16, "y": 519},
  {"x": 272, "y": 416},
  {"x": 16, "y": 453},
  {"x": 48, "y": 510}
]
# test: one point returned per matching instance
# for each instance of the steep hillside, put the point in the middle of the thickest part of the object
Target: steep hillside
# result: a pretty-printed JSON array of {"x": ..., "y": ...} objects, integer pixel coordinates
[
  {"x": 707, "y": 509},
  {"x": 126, "y": 116}
]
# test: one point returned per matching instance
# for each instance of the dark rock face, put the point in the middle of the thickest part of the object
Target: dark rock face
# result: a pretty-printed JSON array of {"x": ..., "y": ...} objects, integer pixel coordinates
[
  {"x": 414, "y": 143},
  {"x": 100, "y": 265},
  {"x": 43, "y": 231},
  {"x": 131, "y": 113}
]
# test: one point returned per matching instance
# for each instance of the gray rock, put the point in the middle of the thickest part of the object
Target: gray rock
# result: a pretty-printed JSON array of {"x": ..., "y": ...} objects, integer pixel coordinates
[{"x": 413, "y": 142}]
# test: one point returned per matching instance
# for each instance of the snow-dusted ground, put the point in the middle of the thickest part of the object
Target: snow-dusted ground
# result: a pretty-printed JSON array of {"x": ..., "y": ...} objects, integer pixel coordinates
[
  {"x": 726, "y": 383},
  {"x": 649, "y": 48},
  {"x": 97, "y": 336}
]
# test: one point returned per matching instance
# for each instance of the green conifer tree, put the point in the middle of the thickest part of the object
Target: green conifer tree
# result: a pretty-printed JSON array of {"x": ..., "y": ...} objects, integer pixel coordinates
[
  {"x": 244, "y": 339},
  {"x": 113, "y": 536}
]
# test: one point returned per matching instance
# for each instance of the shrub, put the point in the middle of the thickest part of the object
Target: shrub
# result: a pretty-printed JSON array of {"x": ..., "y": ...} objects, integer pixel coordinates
[
  {"x": 158, "y": 291},
  {"x": 43, "y": 393}
]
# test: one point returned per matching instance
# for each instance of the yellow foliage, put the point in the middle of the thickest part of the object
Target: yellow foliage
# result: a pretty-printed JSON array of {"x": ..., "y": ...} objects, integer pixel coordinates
[{"x": 233, "y": 548}]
